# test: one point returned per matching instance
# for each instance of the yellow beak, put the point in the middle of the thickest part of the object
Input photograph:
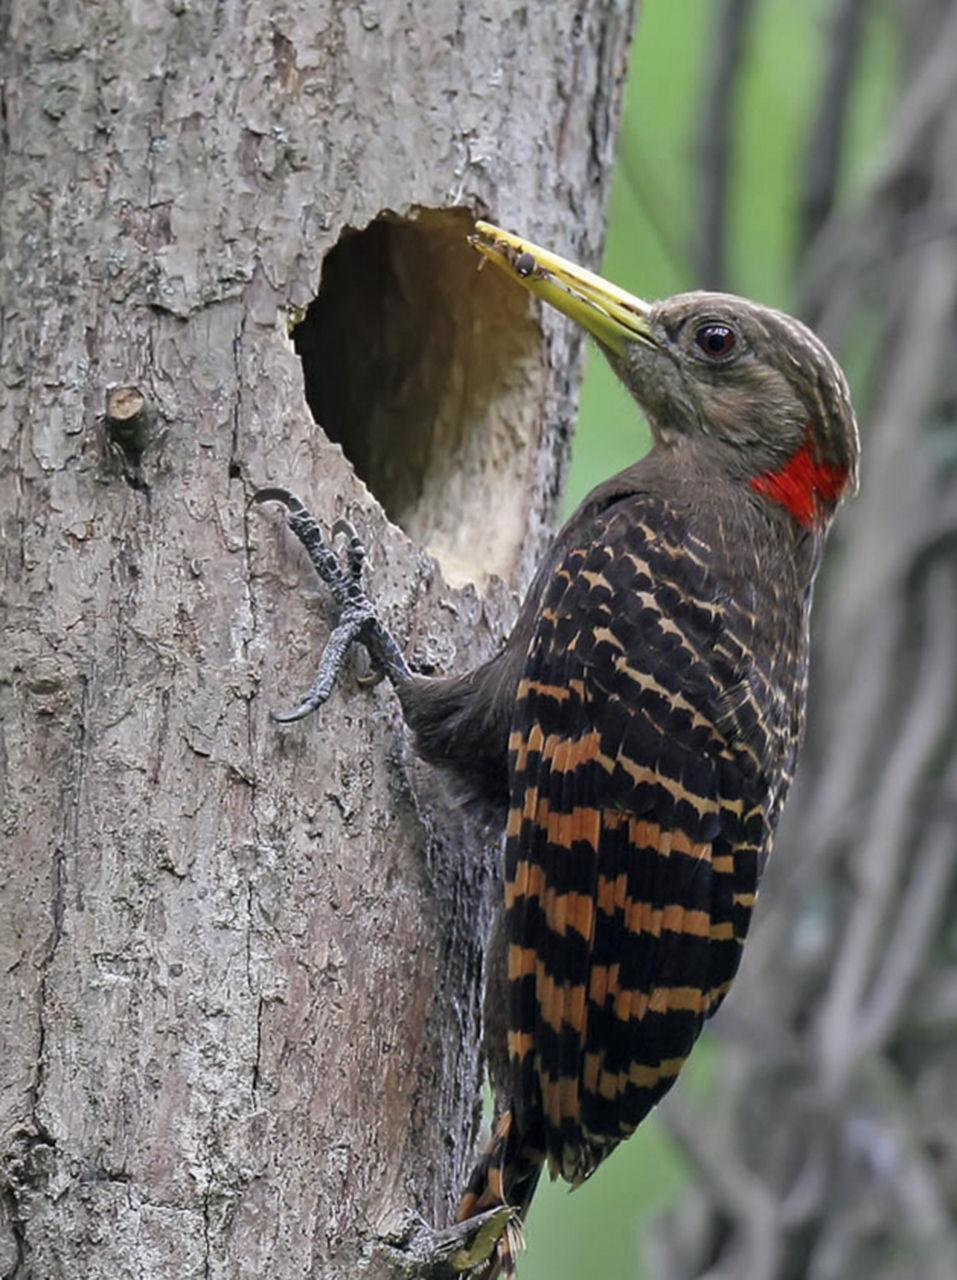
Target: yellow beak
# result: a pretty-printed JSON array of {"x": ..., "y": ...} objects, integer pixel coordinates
[{"x": 616, "y": 318}]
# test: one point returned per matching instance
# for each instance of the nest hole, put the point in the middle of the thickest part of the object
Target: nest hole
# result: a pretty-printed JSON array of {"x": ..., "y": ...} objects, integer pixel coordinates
[{"x": 429, "y": 373}]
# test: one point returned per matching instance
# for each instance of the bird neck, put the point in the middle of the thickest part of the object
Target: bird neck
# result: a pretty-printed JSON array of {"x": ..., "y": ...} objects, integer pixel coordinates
[
  {"x": 724, "y": 506},
  {"x": 806, "y": 486}
]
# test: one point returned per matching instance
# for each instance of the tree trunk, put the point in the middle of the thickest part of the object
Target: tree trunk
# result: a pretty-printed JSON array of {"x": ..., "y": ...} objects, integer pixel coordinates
[{"x": 242, "y": 963}]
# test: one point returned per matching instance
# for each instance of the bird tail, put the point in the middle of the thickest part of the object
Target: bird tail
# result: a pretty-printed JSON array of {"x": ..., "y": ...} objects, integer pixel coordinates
[{"x": 506, "y": 1174}]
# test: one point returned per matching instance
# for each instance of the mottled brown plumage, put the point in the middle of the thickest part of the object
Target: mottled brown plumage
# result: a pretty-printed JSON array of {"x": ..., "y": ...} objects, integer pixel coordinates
[{"x": 639, "y": 730}]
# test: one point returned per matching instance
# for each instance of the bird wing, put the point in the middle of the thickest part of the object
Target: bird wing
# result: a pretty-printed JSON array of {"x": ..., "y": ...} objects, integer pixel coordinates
[{"x": 636, "y": 828}]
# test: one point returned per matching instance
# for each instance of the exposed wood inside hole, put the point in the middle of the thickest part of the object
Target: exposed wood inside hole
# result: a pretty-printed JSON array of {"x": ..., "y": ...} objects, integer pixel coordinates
[{"x": 429, "y": 373}]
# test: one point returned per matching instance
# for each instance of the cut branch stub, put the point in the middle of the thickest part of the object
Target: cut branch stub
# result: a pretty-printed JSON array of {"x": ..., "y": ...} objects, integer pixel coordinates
[{"x": 127, "y": 422}]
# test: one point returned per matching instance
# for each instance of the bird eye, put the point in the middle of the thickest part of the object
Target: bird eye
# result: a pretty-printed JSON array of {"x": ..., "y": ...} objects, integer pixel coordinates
[{"x": 717, "y": 341}]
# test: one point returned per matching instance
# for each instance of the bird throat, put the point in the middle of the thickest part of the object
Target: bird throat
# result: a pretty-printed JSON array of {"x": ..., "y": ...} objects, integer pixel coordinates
[{"x": 805, "y": 486}]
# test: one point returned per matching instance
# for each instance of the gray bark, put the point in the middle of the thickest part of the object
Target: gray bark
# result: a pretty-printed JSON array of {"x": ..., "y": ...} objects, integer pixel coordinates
[{"x": 241, "y": 965}]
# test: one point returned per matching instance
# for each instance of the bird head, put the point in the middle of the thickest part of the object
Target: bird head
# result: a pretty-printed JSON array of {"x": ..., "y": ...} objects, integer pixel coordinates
[{"x": 724, "y": 382}]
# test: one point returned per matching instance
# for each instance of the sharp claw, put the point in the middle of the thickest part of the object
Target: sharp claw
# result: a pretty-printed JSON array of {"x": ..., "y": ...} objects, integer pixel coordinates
[
  {"x": 345, "y": 527},
  {"x": 355, "y": 548},
  {"x": 276, "y": 494},
  {"x": 290, "y": 717},
  {"x": 358, "y": 617}
]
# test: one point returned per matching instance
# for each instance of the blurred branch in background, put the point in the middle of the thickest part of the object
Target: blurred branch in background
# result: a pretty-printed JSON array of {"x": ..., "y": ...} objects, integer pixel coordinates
[
  {"x": 827, "y": 1149},
  {"x": 823, "y": 159},
  {"x": 715, "y": 144}
]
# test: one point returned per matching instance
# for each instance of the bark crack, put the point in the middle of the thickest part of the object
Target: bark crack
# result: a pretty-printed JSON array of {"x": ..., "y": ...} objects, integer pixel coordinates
[
  {"x": 26, "y": 1170},
  {"x": 17, "y": 1229},
  {"x": 58, "y": 908},
  {"x": 207, "y": 1235},
  {"x": 259, "y": 1044}
]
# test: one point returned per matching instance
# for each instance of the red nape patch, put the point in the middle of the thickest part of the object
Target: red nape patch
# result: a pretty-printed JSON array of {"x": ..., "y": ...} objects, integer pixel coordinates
[{"x": 804, "y": 486}]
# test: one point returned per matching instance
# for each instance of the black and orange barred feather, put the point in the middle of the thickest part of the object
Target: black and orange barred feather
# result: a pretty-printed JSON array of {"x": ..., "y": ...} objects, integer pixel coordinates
[
  {"x": 646, "y": 769},
  {"x": 654, "y": 732}
]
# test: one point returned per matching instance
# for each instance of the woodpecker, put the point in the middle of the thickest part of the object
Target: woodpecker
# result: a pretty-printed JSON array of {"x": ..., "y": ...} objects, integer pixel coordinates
[{"x": 639, "y": 729}]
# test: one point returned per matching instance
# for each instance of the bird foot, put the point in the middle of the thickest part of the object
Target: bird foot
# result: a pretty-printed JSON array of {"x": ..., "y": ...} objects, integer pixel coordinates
[
  {"x": 471, "y": 1249},
  {"x": 483, "y": 1243},
  {"x": 358, "y": 618}
]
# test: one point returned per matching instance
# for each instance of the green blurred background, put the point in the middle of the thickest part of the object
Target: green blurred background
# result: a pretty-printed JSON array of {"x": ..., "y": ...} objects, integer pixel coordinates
[{"x": 650, "y": 250}]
